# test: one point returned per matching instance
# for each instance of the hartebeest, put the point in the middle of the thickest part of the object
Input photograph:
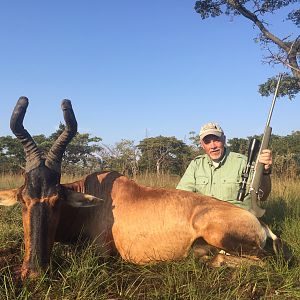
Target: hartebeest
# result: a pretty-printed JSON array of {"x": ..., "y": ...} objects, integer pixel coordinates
[
  {"x": 42, "y": 195},
  {"x": 142, "y": 224}
]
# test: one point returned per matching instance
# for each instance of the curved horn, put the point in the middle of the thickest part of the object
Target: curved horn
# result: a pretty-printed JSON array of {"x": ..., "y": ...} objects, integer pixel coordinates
[
  {"x": 33, "y": 155},
  {"x": 54, "y": 157}
]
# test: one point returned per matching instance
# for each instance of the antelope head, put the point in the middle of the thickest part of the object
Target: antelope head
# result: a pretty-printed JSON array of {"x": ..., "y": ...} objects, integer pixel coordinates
[{"x": 42, "y": 195}]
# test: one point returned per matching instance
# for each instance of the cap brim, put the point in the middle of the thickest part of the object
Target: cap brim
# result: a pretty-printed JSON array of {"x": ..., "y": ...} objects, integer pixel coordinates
[{"x": 213, "y": 132}]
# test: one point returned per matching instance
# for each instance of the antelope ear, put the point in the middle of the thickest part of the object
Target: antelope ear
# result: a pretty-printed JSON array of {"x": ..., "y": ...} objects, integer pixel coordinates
[
  {"x": 76, "y": 199},
  {"x": 8, "y": 197}
]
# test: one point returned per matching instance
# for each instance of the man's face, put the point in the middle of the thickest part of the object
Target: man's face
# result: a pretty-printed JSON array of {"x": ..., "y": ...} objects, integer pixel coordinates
[{"x": 213, "y": 146}]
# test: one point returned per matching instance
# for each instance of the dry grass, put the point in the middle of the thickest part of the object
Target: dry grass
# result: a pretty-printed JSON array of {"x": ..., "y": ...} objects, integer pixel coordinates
[
  {"x": 9, "y": 181},
  {"x": 77, "y": 273}
]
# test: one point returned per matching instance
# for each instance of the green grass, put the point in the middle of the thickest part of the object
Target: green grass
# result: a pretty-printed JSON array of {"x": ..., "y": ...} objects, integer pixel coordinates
[{"x": 81, "y": 273}]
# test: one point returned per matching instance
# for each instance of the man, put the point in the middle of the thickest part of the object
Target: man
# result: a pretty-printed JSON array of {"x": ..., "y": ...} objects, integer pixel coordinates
[{"x": 218, "y": 173}]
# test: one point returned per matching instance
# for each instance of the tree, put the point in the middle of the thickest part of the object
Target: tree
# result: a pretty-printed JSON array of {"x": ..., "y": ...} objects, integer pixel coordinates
[
  {"x": 285, "y": 149},
  {"x": 195, "y": 146},
  {"x": 164, "y": 154},
  {"x": 80, "y": 157},
  {"x": 195, "y": 142},
  {"x": 239, "y": 145},
  {"x": 122, "y": 157},
  {"x": 12, "y": 157},
  {"x": 281, "y": 50},
  {"x": 286, "y": 153}
]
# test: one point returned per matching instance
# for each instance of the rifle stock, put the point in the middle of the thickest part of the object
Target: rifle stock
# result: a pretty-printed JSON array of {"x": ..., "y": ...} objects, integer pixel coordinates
[
  {"x": 257, "y": 176},
  {"x": 259, "y": 167}
]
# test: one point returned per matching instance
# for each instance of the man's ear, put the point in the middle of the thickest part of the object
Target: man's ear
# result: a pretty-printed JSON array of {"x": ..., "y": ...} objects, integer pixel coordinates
[
  {"x": 76, "y": 199},
  {"x": 8, "y": 197},
  {"x": 201, "y": 144}
]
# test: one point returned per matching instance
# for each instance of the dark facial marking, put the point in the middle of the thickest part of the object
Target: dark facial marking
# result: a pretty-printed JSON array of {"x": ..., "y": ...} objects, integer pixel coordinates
[
  {"x": 39, "y": 217},
  {"x": 41, "y": 194},
  {"x": 42, "y": 182}
]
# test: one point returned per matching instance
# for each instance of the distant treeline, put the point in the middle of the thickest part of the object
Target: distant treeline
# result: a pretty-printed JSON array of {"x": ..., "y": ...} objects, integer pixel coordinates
[{"x": 158, "y": 155}]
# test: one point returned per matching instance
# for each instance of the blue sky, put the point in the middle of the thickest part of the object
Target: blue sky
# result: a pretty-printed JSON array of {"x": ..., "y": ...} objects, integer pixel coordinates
[{"x": 135, "y": 68}]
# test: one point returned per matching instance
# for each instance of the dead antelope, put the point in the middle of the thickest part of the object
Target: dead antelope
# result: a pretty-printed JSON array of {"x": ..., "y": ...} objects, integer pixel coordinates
[
  {"x": 146, "y": 224},
  {"x": 142, "y": 224}
]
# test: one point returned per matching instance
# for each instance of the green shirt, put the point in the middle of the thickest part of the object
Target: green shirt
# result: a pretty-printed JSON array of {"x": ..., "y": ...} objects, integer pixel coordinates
[{"x": 222, "y": 182}]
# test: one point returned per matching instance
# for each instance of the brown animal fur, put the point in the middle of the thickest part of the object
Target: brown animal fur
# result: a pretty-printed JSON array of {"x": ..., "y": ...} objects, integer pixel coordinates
[{"x": 148, "y": 224}]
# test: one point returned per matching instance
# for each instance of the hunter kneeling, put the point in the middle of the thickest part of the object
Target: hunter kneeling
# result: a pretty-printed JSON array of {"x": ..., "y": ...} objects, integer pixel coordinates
[{"x": 218, "y": 173}]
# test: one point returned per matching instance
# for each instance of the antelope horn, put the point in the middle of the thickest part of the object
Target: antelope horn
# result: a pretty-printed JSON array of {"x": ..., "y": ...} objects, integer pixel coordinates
[
  {"x": 32, "y": 153},
  {"x": 54, "y": 157}
]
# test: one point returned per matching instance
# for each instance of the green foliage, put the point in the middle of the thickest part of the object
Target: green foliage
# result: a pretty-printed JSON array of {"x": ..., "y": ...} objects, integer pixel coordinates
[
  {"x": 12, "y": 155},
  {"x": 294, "y": 16},
  {"x": 285, "y": 149},
  {"x": 239, "y": 145},
  {"x": 284, "y": 51},
  {"x": 195, "y": 143},
  {"x": 164, "y": 154},
  {"x": 158, "y": 155},
  {"x": 289, "y": 86},
  {"x": 80, "y": 157},
  {"x": 214, "y": 8},
  {"x": 82, "y": 154},
  {"x": 122, "y": 157}
]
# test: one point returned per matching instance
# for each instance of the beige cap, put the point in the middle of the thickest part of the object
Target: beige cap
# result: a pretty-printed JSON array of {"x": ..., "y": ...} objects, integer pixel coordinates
[{"x": 211, "y": 128}]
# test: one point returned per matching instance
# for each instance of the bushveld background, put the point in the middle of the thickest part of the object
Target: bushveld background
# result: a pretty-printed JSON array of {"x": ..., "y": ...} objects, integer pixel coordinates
[{"x": 80, "y": 273}]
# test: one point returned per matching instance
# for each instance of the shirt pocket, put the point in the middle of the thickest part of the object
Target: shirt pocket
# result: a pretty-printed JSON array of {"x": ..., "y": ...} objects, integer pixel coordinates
[
  {"x": 201, "y": 184},
  {"x": 230, "y": 188}
]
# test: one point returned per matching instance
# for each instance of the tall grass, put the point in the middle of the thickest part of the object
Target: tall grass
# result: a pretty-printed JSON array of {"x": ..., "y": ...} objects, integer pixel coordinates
[
  {"x": 78, "y": 272},
  {"x": 9, "y": 181}
]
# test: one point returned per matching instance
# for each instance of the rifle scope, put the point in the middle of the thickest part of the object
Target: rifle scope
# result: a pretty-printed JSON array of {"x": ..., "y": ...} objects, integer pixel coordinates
[{"x": 252, "y": 152}]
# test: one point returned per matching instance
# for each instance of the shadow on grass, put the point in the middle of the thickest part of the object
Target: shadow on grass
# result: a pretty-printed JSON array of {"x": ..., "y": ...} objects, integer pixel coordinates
[{"x": 276, "y": 212}]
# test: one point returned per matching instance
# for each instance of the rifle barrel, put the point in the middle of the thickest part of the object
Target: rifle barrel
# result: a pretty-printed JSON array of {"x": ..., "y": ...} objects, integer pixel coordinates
[{"x": 274, "y": 99}]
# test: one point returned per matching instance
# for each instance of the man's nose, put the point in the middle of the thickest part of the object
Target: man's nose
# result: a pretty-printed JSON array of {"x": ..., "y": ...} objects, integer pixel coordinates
[{"x": 212, "y": 144}]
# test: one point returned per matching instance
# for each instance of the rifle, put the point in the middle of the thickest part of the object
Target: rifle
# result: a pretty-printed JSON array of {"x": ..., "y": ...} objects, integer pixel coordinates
[{"x": 259, "y": 167}]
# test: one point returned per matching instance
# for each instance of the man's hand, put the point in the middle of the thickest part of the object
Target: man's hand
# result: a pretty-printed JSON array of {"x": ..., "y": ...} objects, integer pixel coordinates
[{"x": 266, "y": 158}]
